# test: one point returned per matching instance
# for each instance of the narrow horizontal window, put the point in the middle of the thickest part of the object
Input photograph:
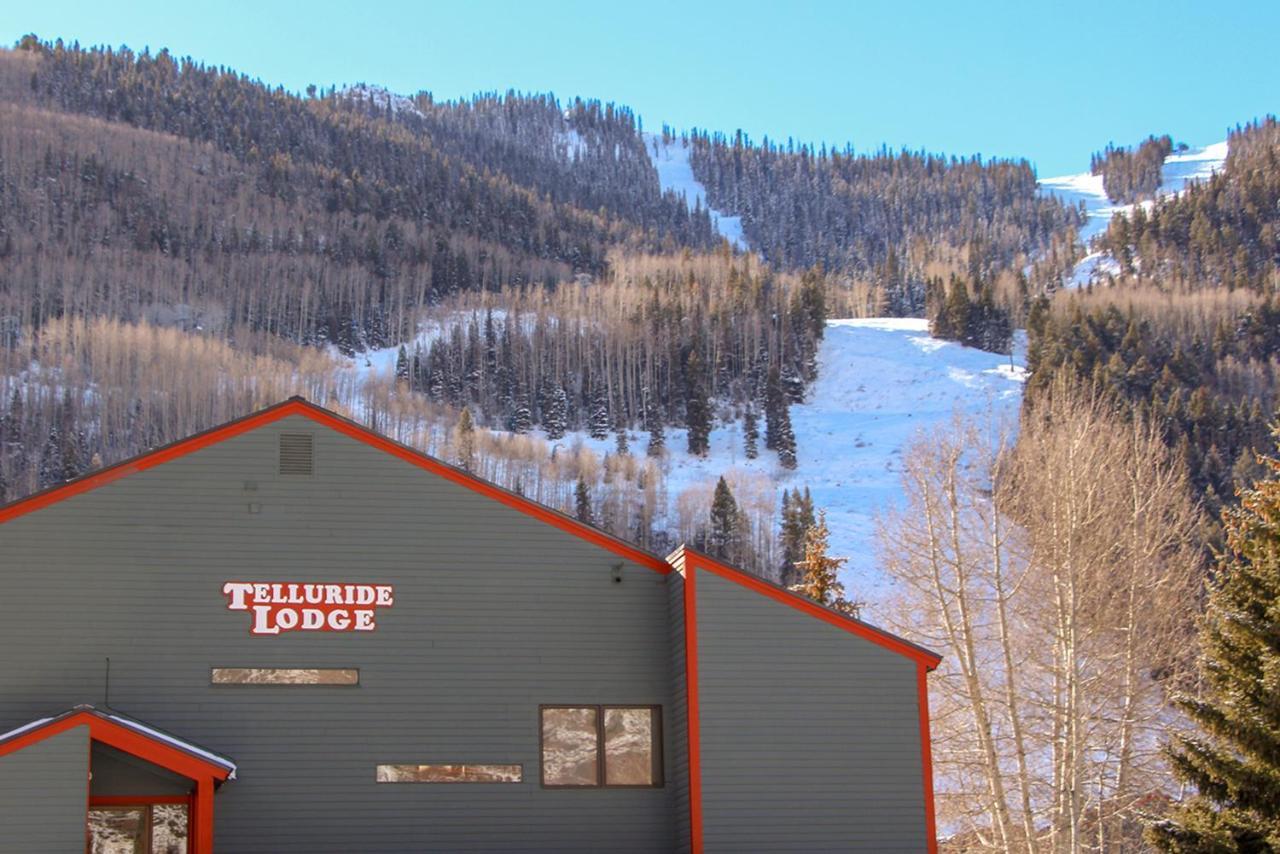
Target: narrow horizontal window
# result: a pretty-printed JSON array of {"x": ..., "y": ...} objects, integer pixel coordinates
[
  {"x": 588, "y": 746},
  {"x": 285, "y": 676},
  {"x": 450, "y": 773}
]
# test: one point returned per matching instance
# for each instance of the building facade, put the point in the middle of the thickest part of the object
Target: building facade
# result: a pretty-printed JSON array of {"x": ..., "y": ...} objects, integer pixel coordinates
[{"x": 292, "y": 634}]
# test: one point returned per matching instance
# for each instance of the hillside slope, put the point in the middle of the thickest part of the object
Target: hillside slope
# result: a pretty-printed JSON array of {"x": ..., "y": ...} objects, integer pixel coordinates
[{"x": 1180, "y": 169}]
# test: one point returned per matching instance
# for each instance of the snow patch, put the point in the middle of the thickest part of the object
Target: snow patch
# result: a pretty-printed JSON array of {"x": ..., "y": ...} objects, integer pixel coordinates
[
  {"x": 381, "y": 97},
  {"x": 1180, "y": 170},
  {"x": 675, "y": 173}
]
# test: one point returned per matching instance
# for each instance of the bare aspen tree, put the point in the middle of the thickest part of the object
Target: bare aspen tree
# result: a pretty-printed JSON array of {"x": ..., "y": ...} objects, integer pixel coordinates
[{"x": 1057, "y": 577}]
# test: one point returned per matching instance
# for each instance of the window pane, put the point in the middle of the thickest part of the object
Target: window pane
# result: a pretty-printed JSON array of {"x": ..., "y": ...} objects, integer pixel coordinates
[
  {"x": 449, "y": 773},
  {"x": 169, "y": 829},
  {"x": 628, "y": 747},
  {"x": 569, "y": 747},
  {"x": 117, "y": 830},
  {"x": 284, "y": 676}
]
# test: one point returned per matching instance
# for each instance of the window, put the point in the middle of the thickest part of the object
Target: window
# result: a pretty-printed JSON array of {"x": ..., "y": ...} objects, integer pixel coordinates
[
  {"x": 284, "y": 676},
  {"x": 601, "y": 746},
  {"x": 141, "y": 829},
  {"x": 450, "y": 773}
]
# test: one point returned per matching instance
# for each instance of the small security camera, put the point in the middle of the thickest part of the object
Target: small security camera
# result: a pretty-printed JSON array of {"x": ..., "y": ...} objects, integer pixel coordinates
[{"x": 617, "y": 573}]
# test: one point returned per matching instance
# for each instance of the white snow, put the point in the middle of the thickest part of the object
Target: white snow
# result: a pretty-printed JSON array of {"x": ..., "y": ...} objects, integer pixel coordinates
[
  {"x": 570, "y": 145},
  {"x": 1180, "y": 169},
  {"x": 880, "y": 381},
  {"x": 674, "y": 173},
  {"x": 382, "y": 98}
]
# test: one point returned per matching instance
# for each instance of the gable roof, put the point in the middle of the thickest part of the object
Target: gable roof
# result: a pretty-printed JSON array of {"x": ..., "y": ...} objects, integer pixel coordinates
[
  {"x": 128, "y": 734},
  {"x": 298, "y": 406},
  {"x": 691, "y": 560}
]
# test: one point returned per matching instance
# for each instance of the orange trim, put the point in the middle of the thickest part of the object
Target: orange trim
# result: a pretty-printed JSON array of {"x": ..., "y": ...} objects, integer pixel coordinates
[
  {"x": 877, "y": 636},
  {"x": 120, "y": 736},
  {"x": 298, "y": 406},
  {"x": 150, "y": 459},
  {"x": 204, "y": 817},
  {"x": 692, "y": 712},
  {"x": 926, "y": 756},
  {"x": 489, "y": 490}
]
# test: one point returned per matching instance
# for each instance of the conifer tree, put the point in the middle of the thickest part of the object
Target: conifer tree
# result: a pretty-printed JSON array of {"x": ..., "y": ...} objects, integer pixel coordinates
[
  {"x": 1234, "y": 761},
  {"x": 582, "y": 499},
  {"x": 598, "y": 423},
  {"x": 774, "y": 403},
  {"x": 622, "y": 446},
  {"x": 750, "y": 434},
  {"x": 465, "y": 440},
  {"x": 797, "y": 519},
  {"x": 521, "y": 420},
  {"x": 697, "y": 405},
  {"x": 819, "y": 571},
  {"x": 722, "y": 537},
  {"x": 653, "y": 423},
  {"x": 402, "y": 365},
  {"x": 556, "y": 417}
]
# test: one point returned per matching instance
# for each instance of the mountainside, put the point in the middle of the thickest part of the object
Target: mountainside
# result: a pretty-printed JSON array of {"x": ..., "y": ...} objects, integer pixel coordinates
[
  {"x": 552, "y": 289},
  {"x": 1178, "y": 171}
]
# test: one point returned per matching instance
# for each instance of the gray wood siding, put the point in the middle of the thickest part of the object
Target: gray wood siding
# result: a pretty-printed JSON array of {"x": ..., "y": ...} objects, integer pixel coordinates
[
  {"x": 677, "y": 769},
  {"x": 495, "y": 613},
  {"x": 44, "y": 792},
  {"x": 810, "y": 735}
]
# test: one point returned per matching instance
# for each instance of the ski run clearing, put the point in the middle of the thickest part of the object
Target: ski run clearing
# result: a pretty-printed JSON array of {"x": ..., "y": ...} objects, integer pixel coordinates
[
  {"x": 675, "y": 173},
  {"x": 881, "y": 382},
  {"x": 1180, "y": 169}
]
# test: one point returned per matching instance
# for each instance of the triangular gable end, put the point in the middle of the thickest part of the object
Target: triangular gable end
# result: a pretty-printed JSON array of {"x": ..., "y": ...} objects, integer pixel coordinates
[
  {"x": 132, "y": 737},
  {"x": 689, "y": 560},
  {"x": 301, "y": 407}
]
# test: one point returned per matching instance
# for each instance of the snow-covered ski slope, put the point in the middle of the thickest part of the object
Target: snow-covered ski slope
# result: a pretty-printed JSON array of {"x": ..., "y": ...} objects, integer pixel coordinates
[
  {"x": 881, "y": 381},
  {"x": 674, "y": 173},
  {"x": 1180, "y": 169}
]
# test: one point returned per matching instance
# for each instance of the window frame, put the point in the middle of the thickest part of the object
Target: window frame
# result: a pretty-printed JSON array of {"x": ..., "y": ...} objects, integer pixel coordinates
[
  {"x": 602, "y": 757},
  {"x": 216, "y": 683}
]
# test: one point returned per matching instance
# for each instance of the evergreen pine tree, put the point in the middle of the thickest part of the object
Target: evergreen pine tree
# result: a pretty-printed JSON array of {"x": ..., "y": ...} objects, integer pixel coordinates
[
  {"x": 465, "y": 440},
  {"x": 402, "y": 365},
  {"x": 819, "y": 571},
  {"x": 957, "y": 309},
  {"x": 556, "y": 418},
  {"x": 521, "y": 420},
  {"x": 1234, "y": 762},
  {"x": 786, "y": 439},
  {"x": 582, "y": 498},
  {"x": 622, "y": 446},
  {"x": 653, "y": 424},
  {"x": 598, "y": 422},
  {"x": 774, "y": 405},
  {"x": 722, "y": 535},
  {"x": 797, "y": 520},
  {"x": 750, "y": 434},
  {"x": 697, "y": 405}
]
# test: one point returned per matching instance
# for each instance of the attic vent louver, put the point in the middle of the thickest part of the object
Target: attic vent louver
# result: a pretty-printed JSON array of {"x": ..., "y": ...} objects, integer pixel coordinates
[{"x": 297, "y": 454}]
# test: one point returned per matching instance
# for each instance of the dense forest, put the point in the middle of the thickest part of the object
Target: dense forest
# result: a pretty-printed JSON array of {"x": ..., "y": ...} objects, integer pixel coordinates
[
  {"x": 887, "y": 215},
  {"x": 1132, "y": 176},
  {"x": 1188, "y": 335},
  {"x": 1220, "y": 233}
]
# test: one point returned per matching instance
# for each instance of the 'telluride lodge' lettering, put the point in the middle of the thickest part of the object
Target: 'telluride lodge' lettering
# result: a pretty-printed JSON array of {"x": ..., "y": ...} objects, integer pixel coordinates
[{"x": 285, "y": 607}]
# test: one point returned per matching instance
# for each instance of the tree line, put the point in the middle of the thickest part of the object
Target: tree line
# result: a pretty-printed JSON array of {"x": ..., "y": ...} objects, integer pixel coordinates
[{"x": 1130, "y": 176}]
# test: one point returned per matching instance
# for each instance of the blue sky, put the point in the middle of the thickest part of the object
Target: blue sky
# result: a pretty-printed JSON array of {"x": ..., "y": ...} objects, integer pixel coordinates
[{"x": 1050, "y": 82}]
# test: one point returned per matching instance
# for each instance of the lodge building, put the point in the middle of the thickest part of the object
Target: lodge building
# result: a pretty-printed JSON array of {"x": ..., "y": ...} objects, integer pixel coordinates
[{"x": 320, "y": 640}]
